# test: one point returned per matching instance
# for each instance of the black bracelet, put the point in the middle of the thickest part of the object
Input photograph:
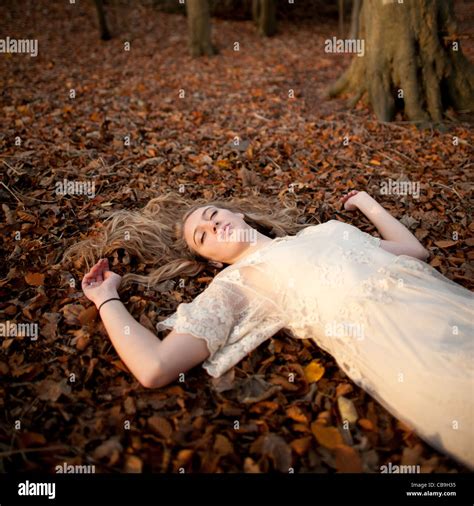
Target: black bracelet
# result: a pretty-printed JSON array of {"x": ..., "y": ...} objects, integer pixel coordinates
[{"x": 113, "y": 298}]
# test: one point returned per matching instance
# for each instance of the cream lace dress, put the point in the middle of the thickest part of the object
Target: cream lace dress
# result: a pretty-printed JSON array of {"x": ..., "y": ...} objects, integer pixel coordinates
[{"x": 397, "y": 327}]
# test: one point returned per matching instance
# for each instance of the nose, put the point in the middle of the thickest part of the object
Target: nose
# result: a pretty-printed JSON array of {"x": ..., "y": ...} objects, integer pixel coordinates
[{"x": 212, "y": 225}]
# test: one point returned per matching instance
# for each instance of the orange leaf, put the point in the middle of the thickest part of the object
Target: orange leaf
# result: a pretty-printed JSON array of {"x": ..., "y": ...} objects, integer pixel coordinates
[
  {"x": 224, "y": 164},
  {"x": 297, "y": 414},
  {"x": 374, "y": 162},
  {"x": 436, "y": 262},
  {"x": 34, "y": 278},
  {"x": 347, "y": 460},
  {"x": 301, "y": 445},
  {"x": 366, "y": 424},
  {"x": 314, "y": 371},
  {"x": 329, "y": 437},
  {"x": 133, "y": 464},
  {"x": 88, "y": 315},
  {"x": 445, "y": 244}
]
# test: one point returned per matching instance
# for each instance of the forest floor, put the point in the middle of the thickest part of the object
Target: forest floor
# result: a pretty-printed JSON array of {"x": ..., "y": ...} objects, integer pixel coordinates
[{"x": 66, "y": 396}]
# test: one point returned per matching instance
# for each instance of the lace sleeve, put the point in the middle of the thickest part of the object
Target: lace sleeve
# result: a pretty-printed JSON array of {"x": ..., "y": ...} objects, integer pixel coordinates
[
  {"x": 354, "y": 234},
  {"x": 370, "y": 239},
  {"x": 230, "y": 323}
]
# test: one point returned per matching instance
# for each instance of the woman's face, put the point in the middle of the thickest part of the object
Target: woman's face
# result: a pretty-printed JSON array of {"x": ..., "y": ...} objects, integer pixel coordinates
[{"x": 218, "y": 234}]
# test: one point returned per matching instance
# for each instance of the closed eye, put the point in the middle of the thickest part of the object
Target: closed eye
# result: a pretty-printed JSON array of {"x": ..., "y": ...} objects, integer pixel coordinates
[{"x": 202, "y": 237}]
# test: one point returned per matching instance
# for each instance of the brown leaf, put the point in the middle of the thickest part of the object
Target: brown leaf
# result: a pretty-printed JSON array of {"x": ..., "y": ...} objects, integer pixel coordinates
[
  {"x": 160, "y": 426},
  {"x": 133, "y": 464},
  {"x": 50, "y": 390},
  {"x": 366, "y": 424},
  {"x": 446, "y": 243},
  {"x": 110, "y": 448},
  {"x": 343, "y": 389},
  {"x": 184, "y": 456},
  {"x": 329, "y": 437},
  {"x": 255, "y": 389},
  {"x": 222, "y": 446},
  {"x": 81, "y": 339},
  {"x": 250, "y": 466},
  {"x": 129, "y": 406},
  {"x": 278, "y": 450},
  {"x": 28, "y": 439},
  {"x": 301, "y": 445},
  {"x": 347, "y": 460},
  {"x": 34, "y": 278},
  {"x": 224, "y": 382},
  {"x": 297, "y": 414},
  {"x": 50, "y": 328},
  {"x": 87, "y": 315},
  {"x": 71, "y": 313}
]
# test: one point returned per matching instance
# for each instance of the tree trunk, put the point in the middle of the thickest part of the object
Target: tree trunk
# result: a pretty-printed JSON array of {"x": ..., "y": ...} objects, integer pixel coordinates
[
  {"x": 412, "y": 61},
  {"x": 104, "y": 29},
  {"x": 256, "y": 11},
  {"x": 354, "y": 32},
  {"x": 199, "y": 24},
  {"x": 264, "y": 15},
  {"x": 340, "y": 8}
]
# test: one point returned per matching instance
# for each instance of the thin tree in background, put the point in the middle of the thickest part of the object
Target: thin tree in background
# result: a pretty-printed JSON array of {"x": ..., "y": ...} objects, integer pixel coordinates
[
  {"x": 354, "y": 30},
  {"x": 264, "y": 16},
  {"x": 199, "y": 25},
  {"x": 104, "y": 29},
  {"x": 413, "y": 61}
]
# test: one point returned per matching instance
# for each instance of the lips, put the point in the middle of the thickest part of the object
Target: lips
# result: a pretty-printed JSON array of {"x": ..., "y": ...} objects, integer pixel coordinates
[{"x": 226, "y": 229}]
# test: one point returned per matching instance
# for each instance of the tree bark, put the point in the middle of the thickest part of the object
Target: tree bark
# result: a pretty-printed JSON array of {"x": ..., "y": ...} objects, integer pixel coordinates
[
  {"x": 354, "y": 31},
  {"x": 411, "y": 62},
  {"x": 264, "y": 16},
  {"x": 104, "y": 29},
  {"x": 199, "y": 25},
  {"x": 340, "y": 8}
]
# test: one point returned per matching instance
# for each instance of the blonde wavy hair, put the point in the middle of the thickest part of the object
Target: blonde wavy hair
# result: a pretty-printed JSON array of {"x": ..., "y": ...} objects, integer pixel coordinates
[{"x": 154, "y": 234}]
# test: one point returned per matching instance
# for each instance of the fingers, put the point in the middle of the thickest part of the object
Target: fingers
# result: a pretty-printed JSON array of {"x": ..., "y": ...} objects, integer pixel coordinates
[
  {"x": 96, "y": 274},
  {"x": 348, "y": 196}
]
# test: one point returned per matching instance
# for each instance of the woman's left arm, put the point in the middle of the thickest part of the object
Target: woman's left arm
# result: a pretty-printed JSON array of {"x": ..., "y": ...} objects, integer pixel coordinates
[{"x": 397, "y": 239}]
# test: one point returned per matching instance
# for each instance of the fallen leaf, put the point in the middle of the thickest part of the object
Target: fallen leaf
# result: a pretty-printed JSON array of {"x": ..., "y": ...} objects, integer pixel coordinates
[
  {"x": 160, "y": 426},
  {"x": 347, "y": 409},
  {"x": 329, "y": 437},
  {"x": 347, "y": 459},
  {"x": 133, "y": 464},
  {"x": 445, "y": 243},
  {"x": 314, "y": 371},
  {"x": 34, "y": 278},
  {"x": 50, "y": 390}
]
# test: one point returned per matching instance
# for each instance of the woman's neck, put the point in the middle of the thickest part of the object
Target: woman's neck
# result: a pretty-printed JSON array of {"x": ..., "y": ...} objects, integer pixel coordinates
[{"x": 261, "y": 241}]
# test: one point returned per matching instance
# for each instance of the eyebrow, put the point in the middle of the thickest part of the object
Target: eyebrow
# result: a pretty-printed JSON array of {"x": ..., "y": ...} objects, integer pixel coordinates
[{"x": 202, "y": 216}]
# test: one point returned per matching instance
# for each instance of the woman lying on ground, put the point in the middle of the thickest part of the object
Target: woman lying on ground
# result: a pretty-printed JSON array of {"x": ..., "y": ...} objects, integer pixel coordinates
[{"x": 396, "y": 326}]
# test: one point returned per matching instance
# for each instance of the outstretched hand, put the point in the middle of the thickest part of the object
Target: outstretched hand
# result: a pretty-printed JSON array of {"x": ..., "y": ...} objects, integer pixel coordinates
[
  {"x": 100, "y": 283},
  {"x": 345, "y": 199}
]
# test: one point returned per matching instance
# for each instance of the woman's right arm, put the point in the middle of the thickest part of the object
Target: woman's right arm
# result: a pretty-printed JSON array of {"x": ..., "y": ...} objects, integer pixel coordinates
[
  {"x": 136, "y": 345},
  {"x": 153, "y": 362}
]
